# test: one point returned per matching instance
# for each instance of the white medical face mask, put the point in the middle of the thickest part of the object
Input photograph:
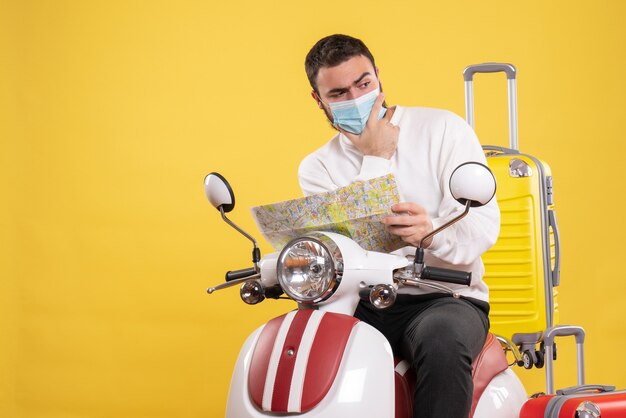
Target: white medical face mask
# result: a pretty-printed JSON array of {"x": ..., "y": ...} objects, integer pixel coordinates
[{"x": 352, "y": 115}]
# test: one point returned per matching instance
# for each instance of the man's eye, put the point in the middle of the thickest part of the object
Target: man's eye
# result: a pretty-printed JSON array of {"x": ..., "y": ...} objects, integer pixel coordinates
[{"x": 364, "y": 85}]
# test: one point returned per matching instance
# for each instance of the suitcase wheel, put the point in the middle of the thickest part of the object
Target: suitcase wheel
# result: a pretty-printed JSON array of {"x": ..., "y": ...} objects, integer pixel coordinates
[
  {"x": 532, "y": 358},
  {"x": 527, "y": 358}
]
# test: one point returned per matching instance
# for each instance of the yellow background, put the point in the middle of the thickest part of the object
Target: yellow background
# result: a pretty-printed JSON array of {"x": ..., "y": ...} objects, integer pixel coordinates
[{"x": 112, "y": 112}]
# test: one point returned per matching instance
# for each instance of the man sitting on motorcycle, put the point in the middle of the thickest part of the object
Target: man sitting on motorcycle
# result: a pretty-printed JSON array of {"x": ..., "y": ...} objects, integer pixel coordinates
[{"x": 440, "y": 335}]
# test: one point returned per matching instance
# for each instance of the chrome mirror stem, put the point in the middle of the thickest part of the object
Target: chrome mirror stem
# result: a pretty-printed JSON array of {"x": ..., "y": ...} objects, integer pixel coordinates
[
  {"x": 256, "y": 253},
  {"x": 468, "y": 204},
  {"x": 418, "y": 262}
]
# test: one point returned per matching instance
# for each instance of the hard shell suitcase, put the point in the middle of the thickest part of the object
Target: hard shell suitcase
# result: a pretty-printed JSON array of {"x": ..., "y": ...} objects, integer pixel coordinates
[
  {"x": 581, "y": 401},
  {"x": 522, "y": 268}
]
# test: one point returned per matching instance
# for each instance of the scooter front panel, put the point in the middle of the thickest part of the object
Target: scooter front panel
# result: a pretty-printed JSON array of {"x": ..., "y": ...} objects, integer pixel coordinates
[
  {"x": 261, "y": 358},
  {"x": 327, "y": 351},
  {"x": 361, "y": 386},
  {"x": 285, "y": 373}
]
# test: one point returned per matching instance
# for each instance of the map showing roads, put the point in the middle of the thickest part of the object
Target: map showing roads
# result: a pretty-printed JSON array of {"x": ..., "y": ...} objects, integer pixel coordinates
[{"x": 355, "y": 211}]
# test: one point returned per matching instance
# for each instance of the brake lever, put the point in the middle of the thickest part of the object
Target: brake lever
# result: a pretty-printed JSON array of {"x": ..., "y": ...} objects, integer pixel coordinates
[
  {"x": 436, "y": 286},
  {"x": 408, "y": 277},
  {"x": 233, "y": 283}
]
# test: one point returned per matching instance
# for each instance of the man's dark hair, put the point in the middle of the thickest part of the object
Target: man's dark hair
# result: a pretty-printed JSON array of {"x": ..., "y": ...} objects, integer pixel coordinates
[{"x": 332, "y": 51}]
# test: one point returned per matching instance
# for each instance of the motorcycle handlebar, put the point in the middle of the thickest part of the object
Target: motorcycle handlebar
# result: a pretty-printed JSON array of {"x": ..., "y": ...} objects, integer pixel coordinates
[
  {"x": 446, "y": 275},
  {"x": 240, "y": 274}
]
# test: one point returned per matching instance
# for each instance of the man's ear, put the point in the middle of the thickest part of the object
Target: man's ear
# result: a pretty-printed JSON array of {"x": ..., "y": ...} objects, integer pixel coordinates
[{"x": 317, "y": 99}]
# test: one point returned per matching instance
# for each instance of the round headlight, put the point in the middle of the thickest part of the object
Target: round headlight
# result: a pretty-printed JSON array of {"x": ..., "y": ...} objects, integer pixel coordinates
[{"x": 309, "y": 268}]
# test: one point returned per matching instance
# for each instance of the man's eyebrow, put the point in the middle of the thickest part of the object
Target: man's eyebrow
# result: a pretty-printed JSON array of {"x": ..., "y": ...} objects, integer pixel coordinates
[
  {"x": 365, "y": 74},
  {"x": 344, "y": 89}
]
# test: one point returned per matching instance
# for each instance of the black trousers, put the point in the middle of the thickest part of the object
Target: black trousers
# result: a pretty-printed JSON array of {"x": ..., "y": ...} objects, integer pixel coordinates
[{"x": 440, "y": 336}]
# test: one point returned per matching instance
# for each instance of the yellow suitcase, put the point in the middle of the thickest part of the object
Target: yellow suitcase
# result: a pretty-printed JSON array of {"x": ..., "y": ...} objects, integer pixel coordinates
[{"x": 522, "y": 268}]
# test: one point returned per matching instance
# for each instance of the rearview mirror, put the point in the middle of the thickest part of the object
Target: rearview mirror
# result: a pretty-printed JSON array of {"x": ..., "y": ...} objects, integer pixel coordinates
[
  {"x": 473, "y": 182},
  {"x": 221, "y": 196},
  {"x": 219, "y": 192}
]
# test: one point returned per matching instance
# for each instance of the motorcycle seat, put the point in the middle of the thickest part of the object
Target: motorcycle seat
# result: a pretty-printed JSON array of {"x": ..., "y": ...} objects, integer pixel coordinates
[{"x": 490, "y": 362}]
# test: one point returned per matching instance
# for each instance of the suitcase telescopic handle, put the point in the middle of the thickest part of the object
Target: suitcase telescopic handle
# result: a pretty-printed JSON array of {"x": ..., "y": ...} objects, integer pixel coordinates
[
  {"x": 489, "y": 67},
  {"x": 548, "y": 341},
  {"x": 511, "y": 75},
  {"x": 585, "y": 389}
]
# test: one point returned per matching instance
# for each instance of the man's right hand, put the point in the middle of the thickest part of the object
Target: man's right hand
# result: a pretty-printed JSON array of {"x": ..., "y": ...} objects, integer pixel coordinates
[{"x": 380, "y": 137}]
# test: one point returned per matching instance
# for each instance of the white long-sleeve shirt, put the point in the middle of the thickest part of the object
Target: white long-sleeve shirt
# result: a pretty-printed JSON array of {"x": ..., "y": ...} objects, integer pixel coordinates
[{"x": 432, "y": 143}]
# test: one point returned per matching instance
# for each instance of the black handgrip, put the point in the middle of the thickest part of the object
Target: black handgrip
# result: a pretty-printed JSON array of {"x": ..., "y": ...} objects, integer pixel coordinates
[
  {"x": 239, "y": 274},
  {"x": 446, "y": 275}
]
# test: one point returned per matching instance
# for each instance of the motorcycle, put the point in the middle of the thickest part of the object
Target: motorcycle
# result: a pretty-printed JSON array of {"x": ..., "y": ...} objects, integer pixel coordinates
[{"x": 320, "y": 361}]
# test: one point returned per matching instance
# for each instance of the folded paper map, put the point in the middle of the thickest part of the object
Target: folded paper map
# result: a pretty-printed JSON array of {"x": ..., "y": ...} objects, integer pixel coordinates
[{"x": 355, "y": 211}]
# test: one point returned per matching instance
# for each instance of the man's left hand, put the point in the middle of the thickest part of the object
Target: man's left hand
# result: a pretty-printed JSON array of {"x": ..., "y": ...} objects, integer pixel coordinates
[{"x": 411, "y": 223}]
